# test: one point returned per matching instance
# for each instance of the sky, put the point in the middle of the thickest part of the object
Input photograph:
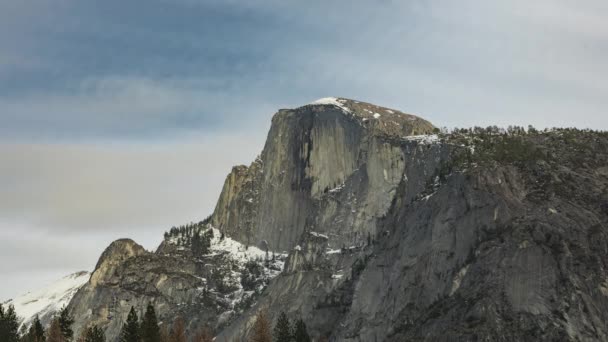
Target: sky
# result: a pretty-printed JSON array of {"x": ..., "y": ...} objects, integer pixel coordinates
[{"x": 122, "y": 118}]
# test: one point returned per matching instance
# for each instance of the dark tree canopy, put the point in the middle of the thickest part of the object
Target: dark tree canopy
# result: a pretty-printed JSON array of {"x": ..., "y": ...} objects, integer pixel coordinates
[
  {"x": 282, "y": 330},
  {"x": 300, "y": 333},
  {"x": 9, "y": 324},
  {"x": 36, "y": 331},
  {"x": 130, "y": 330},
  {"x": 150, "y": 332},
  {"x": 65, "y": 324},
  {"x": 94, "y": 334}
]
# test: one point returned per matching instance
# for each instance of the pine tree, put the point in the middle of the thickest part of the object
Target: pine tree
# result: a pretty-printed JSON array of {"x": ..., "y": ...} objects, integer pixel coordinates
[
  {"x": 36, "y": 332},
  {"x": 206, "y": 241},
  {"x": 300, "y": 333},
  {"x": 196, "y": 246},
  {"x": 261, "y": 328},
  {"x": 178, "y": 331},
  {"x": 23, "y": 332},
  {"x": 65, "y": 323},
  {"x": 94, "y": 334},
  {"x": 150, "y": 332},
  {"x": 9, "y": 325},
  {"x": 53, "y": 334},
  {"x": 130, "y": 330},
  {"x": 282, "y": 330}
]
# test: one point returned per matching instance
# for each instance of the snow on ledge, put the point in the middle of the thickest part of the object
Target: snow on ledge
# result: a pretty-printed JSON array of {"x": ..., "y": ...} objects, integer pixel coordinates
[
  {"x": 423, "y": 139},
  {"x": 319, "y": 235}
]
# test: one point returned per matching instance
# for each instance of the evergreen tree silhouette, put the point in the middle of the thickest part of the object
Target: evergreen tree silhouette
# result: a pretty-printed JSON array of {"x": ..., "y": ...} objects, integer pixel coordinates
[
  {"x": 130, "y": 331},
  {"x": 282, "y": 330},
  {"x": 300, "y": 333},
  {"x": 150, "y": 332}
]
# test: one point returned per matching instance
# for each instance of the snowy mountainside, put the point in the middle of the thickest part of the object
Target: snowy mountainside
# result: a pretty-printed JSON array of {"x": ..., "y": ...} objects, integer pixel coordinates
[
  {"x": 197, "y": 273},
  {"x": 240, "y": 272},
  {"x": 45, "y": 302}
]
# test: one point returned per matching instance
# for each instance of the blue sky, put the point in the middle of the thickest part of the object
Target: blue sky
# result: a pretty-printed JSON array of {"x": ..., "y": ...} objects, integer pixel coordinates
[{"x": 122, "y": 118}]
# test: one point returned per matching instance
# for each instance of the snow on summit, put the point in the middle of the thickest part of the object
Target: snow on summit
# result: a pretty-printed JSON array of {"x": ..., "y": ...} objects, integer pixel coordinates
[
  {"x": 47, "y": 301},
  {"x": 332, "y": 101}
]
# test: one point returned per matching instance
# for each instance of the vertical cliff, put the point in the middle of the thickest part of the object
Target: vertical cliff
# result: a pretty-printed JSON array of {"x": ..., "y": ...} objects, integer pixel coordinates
[{"x": 331, "y": 167}]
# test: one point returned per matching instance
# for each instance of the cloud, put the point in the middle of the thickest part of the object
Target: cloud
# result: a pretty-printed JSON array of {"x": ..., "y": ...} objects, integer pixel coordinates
[
  {"x": 122, "y": 186},
  {"x": 178, "y": 68},
  {"x": 62, "y": 204},
  {"x": 119, "y": 108}
]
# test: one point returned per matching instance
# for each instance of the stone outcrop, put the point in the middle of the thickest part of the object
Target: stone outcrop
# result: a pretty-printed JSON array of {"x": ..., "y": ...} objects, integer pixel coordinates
[{"x": 311, "y": 155}]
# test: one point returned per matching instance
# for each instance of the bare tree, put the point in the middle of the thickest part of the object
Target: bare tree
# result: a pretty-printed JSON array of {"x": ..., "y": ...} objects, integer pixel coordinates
[
  {"x": 54, "y": 332},
  {"x": 261, "y": 328},
  {"x": 178, "y": 332}
]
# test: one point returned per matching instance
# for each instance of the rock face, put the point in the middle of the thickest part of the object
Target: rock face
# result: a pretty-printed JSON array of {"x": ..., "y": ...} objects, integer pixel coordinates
[
  {"x": 382, "y": 231},
  {"x": 312, "y": 153},
  {"x": 205, "y": 290}
]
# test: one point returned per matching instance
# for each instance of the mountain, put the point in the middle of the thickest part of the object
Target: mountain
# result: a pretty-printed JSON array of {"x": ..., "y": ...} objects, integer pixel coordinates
[
  {"x": 47, "y": 301},
  {"x": 371, "y": 224}
]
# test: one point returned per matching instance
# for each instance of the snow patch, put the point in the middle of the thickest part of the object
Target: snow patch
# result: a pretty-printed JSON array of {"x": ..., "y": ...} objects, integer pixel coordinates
[
  {"x": 332, "y": 101},
  {"x": 423, "y": 139},
  {"x": 376, "y": 115},
  {"x": 50, "y": 299},
  {"x": 458, "y": 279},
  {"x": 337, "y": 189},
  {"x": 236, "y": 249},
  {"x": 315, "y": 234}
]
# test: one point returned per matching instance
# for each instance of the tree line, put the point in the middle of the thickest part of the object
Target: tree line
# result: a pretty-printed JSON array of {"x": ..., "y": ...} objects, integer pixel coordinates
[
  {"x": 284, "y": 330},
  {"x": 59, "y": 330},
  {"x": 147, "y": 329},
  {"x": 195, "y": 235}
]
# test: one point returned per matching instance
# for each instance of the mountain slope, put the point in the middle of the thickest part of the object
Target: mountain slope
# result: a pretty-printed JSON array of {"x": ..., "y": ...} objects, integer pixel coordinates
[
  {"x": 506, "y": 240},
  {"x": 371, "y": 225},
  {"x": 309, "y": 153},
  {"x": 47, "y": 301},
  {"x": 209, "y": 289}
]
